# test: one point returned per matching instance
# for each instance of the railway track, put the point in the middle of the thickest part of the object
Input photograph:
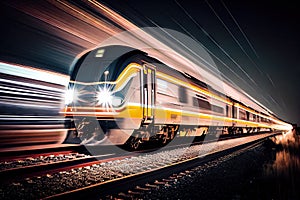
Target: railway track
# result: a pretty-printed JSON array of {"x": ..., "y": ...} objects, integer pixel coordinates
[
  {"x": 18, "y": 163},
  {"x": 162, "y": 179},
  {"x": 88, "y": 176},
  {"x": 133, "y": 186},
  {"x": 33, "y": 164}
]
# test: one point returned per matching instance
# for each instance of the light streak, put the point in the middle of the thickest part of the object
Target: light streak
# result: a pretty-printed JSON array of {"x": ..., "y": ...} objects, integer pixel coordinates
[
  {"x": 33, "y": 73},
  {"x": 237, "y": 24},
  {"x": 127, "y": 25},
  {"x": 210, "y": 52},
  {"x": 86, "y": 31},
  {"x": 219, "y": 46},
  {"x": 234, "y": 38}
]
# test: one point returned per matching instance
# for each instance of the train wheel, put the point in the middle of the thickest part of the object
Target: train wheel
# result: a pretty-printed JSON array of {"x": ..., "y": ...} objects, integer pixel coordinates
[
  {"x": 172, "y": 133},
  {"x": 135, "y": 142},
  {"x": 164, "y": 137}
]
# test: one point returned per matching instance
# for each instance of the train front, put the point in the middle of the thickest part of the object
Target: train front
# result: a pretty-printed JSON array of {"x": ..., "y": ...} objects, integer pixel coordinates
[{"x": 101, "y": 103}]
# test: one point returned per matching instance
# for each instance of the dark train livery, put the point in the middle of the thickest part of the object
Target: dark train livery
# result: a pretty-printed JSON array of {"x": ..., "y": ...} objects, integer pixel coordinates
[{"x": 121, "y": 95}]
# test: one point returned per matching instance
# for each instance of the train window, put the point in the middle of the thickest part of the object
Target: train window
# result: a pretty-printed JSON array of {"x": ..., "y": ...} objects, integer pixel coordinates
[
  {"x": 182, "y": 94},
  {"x": 204, "y": 104},
  {"x": 242, "y": 115},
  {"x": 195, "y": 102},
  {"x": 217, "y": 109},
  {"x": 162, "y": 85},
  {"x": 227, "y": 111},
  {"x": 250, "y": 117},
  {"x": 234, "y": 114}
]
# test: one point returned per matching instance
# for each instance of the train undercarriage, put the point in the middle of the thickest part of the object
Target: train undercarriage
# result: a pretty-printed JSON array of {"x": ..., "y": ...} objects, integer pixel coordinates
[
  {"x": 154, "y": 135},
  {"x": 163, "y": 134}
]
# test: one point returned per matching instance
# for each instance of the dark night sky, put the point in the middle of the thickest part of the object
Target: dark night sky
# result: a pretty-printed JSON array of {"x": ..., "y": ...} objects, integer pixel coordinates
[{"x": 269, "y": 53}]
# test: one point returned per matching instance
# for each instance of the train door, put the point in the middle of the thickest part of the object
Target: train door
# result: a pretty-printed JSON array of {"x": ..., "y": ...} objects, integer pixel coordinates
[
  {"x": 149, "y": 93},
  {"x": 228, "y": 111}
]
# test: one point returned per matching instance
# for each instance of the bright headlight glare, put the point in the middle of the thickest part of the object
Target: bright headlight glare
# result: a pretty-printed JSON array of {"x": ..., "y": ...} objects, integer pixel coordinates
[
  {"x": 69, "y": 96},
  {"x": 104, "y": 97},
  {"x": 107, "y": 99}
]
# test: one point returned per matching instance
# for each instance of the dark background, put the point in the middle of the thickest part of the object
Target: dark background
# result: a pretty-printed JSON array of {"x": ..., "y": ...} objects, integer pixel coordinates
[{"x": 258, "y": 41}]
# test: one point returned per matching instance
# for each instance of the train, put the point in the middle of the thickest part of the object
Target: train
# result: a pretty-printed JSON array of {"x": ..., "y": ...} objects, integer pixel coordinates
[{"x": 121, "y": 95}]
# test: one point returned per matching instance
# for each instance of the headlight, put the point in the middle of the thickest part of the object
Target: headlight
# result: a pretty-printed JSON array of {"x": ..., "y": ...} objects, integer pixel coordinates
[
  {"x": 107, "y": 99},
  {"x": 69, "y": 96},
  {"x": 104, "y": 97}
]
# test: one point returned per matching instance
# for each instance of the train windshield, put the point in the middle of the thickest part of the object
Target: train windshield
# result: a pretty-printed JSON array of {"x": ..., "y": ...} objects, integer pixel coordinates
[{"x": 103, "y": 64}]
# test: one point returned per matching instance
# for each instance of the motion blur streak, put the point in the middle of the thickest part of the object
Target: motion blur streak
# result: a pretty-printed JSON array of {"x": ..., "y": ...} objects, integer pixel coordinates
[
  {"x": 30, "y": 103},
  {"x": 84, "y": 16},
  {"x": 31, "y": 99},
  {"x": 59, "y": 14},
  {"x": 32, "y": 73},
  {"x": 114, "y": 16}
]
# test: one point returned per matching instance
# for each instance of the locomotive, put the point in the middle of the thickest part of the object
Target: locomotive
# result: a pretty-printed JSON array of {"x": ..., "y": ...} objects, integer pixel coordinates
[{"x": 121, "y": 95}]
